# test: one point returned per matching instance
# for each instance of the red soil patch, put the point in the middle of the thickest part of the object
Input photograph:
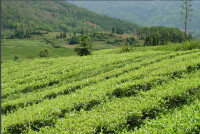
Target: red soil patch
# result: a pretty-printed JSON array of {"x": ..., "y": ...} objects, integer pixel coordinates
[{"x": 91, "y": 24}]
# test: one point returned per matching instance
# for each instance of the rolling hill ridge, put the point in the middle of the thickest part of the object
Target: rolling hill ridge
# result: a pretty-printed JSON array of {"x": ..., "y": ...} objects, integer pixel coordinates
[
  {"x": 57, "y": 16},
  {"x": 146, "y": 13}
]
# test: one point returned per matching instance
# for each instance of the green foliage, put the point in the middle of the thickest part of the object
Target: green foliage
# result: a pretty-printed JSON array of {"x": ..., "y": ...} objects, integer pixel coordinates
[
  {"x": 188, "y": 45},
  {"x": 23, "y": 47},
  {"x": 49, "y": 41},
  {"x": 185, "y": 46},
  {"x": 52, "y": 41},
  {"x": 16, "y": 58},
  {"x": 111, "y": 93},
  {"x": 44, "y": 53},
  {"x": 125, "y": 49},
  {"x": 182, "y": 120},
  {"x": 130, "y": 41},
  {"x": 119, "y": 31},
  {"x": 100, "y": 36},
  {"x": 113, "y": 30},
  {"x": 74, "y": 40},
  {"x": 160, "y": 35},
  {"x": 85, "y": 46},
  {"x": 30, "y": 56},
  {"x": 148, "y": 41},
  {"x": 55, "y": 16},
  {"x": 63, "y": 35}
]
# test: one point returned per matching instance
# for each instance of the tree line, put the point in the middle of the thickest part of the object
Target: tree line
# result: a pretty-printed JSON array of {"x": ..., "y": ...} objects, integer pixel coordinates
[{"x": 161, "y": 35}]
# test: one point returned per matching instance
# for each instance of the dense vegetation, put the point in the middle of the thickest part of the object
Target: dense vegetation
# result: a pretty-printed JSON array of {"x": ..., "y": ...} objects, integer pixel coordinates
[
  {"x": 147, "y": 81},
  {"x": 161, "y": 35},
  {"x": 20, "y": 19},
  {"x": 85, "y": 45},
  {"x": 110, "y": 93}
]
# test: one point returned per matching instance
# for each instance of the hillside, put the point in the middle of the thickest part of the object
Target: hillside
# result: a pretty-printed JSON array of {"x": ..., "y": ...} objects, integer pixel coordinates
[
  {"x": 153, "y": 92},
  {"x": 147, "y": 13},
  {"x": 56, "y": 16},
  {"x": 68, "y": 70}
]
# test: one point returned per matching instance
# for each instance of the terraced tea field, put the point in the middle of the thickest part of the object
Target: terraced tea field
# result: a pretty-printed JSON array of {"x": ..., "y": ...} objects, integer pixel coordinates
[{"x": 139, "y": 92}]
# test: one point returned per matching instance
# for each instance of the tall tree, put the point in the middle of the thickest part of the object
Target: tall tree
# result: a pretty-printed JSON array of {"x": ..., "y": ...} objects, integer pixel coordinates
[
  {"x": 113, "y": 30},
  {"x": 85, "y": 46},
  {"x": 186, "y": 9}
]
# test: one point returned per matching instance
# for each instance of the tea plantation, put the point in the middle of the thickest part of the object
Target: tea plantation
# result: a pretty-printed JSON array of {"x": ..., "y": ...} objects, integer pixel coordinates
[{"x": 136, "y": 92}]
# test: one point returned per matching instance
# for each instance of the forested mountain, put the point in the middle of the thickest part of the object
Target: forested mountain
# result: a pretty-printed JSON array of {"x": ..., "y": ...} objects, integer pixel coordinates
[
  {"x": 147, "y": 13},
  {"x": 57, "y": 16}
]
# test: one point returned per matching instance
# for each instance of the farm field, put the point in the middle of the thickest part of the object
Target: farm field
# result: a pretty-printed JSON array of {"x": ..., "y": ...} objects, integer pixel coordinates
[
  {"x": 135, "y": 92},
  {"x": 23, "y": 47}
]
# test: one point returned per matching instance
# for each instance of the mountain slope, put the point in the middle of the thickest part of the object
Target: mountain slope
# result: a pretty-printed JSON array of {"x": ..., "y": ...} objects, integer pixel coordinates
[
  {"x": 148, "y": 13},
  {"x": 57, "y": 16}
]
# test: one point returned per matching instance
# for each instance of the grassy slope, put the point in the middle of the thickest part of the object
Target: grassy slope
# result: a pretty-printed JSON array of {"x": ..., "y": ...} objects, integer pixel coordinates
[{"x": 24, "y": 47}]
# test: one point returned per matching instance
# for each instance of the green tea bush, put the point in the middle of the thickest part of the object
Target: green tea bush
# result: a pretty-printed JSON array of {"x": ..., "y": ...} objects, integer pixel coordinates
[
  {"x": 189, "y": 45},
  {"x": 44, "y": 53},
  {"x": 30, "y": 56},
  {"x": 122, "y": 91},
  {"x": 125, "y": 49}
]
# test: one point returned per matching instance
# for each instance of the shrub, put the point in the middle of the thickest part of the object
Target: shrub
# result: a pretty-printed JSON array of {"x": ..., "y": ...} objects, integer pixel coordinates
[
  {"x": 125, "y": 49},
  {"x": 188, "y": 45},
  {"x": 82, "y": 51},
  {"x": 30, "y": 56},
  {"x": 44, "y": 53},
  {"x": 73, "y": 40},
  {"x": 16, "y": 58}
]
